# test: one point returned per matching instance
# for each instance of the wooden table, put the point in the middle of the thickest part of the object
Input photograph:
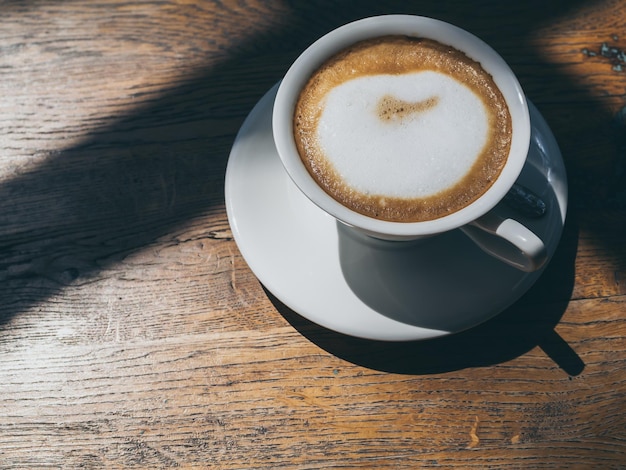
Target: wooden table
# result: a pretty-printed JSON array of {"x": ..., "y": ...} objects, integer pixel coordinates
[{"x": 134, "y": 335}]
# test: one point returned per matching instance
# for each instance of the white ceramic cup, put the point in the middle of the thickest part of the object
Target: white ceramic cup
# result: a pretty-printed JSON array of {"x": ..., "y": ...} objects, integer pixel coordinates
[{"x": 523, "y": 249}]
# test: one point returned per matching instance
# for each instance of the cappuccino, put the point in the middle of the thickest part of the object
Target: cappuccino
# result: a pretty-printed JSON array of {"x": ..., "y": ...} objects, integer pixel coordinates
[{"x": 402, "y": 129}]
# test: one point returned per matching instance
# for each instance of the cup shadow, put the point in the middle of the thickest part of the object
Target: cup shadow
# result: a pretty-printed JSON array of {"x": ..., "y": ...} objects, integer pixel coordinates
[{"x": 529, "y": 323}]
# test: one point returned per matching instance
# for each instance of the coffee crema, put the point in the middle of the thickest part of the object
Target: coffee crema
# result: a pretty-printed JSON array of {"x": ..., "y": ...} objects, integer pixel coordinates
[{"x": 402, "y": 129}]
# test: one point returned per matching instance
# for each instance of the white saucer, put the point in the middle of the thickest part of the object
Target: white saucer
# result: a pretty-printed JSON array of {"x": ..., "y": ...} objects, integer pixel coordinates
[{"x": 372, "y": 289}]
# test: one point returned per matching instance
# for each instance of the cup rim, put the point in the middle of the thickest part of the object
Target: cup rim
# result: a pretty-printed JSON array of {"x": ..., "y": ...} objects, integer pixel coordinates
[{"x": 350, "y": 33}]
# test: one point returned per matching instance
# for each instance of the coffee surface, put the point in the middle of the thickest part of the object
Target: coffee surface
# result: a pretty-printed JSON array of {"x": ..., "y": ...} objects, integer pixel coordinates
[{"x": 402, "y": 129}]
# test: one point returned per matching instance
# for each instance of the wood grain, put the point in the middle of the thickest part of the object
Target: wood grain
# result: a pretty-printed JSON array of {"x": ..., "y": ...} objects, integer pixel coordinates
[{"x": 134, "y": 335}]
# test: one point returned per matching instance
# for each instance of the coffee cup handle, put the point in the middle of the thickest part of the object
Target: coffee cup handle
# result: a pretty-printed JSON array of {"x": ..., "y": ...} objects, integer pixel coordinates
[{"x": 508, "y": 240}]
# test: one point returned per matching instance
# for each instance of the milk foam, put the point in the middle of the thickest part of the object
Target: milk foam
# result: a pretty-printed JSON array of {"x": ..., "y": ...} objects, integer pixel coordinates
[
  {"x": 412, "y": 154},
  {"x": 402, "y": 129}
]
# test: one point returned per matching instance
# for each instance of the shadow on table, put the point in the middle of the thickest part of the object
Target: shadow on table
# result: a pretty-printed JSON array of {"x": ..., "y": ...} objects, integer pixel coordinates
[{"x": 527, "y": 324}]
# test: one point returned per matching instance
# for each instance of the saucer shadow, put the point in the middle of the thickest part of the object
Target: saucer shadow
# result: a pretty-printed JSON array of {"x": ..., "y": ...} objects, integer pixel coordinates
[{"x": 530, "y": 322}]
